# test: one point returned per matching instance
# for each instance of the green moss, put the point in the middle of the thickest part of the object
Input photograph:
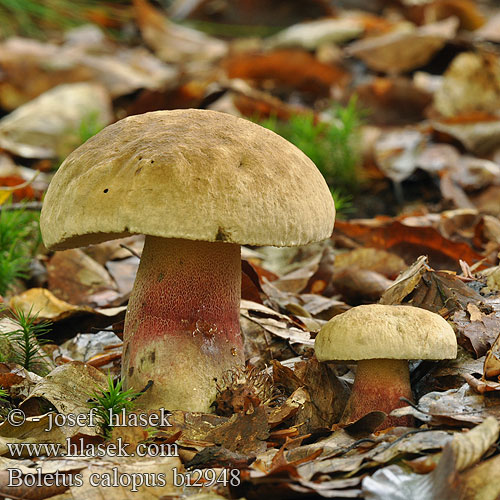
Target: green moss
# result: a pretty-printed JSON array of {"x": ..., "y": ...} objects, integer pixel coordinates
[
  {"x": 333, "y": 146},
  {"x": 19, "y": 238}
]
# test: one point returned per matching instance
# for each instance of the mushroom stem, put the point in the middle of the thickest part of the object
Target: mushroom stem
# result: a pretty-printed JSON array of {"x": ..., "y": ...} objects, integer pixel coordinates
[
  {"x": 378, "y": 385},
  {"x": 182, "y": 326}
]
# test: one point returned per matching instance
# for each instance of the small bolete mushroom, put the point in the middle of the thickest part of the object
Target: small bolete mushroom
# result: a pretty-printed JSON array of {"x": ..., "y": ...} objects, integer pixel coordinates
[
  {"x": 382, "y": 338},
  {"x": 198, "y": 184}
]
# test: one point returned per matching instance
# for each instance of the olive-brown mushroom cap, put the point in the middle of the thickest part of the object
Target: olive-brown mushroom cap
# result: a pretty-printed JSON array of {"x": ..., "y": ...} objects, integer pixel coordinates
[
  {"x": 378, "y": 331},
  {"x": 191, "y": 174}
]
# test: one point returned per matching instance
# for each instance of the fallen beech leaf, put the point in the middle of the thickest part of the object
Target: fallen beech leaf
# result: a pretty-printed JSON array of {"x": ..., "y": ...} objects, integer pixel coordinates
[
  {"x": 172, "y": 42},
  {"x": 67, "y": 388},
  {"x": 29, "y": 69},
  {"x": 477, "y": 336},
  {"x": 12, "y": 350},
  {"x": 471, "y": 83},
  {"x": 457, "y": 407},
  {"x": 397, "y": 152},
  {"x": 487, "y": 201},
  {"x": 327, "y": 396},
  {"x": 394, "y": 483},
  {"x": 274, "y": 323},
  {"x": 491, "y": 367},
  {"x": 467, "y": 11},
  {"x": 417, "y": 442},
  {"x": 469, "y": 447},
  {"x": 491, "y": 30},
  {"x": 438, "y": 157},
  {"x": 477, "y": 482},
  {"x": 359, "y": 285},
  {"x": 393, "y": 100},
  {"x": 256, "y": 12},
  {"x": 17, "y": 380},
  {"x": 404, "y": 50},
  {"x": 67, "y": 319},
  {"x": 289, "y": 408},
  {"x": 75, "y": 277},
  {"x": 310, "y": 35},
  {"x": 478, "y": 132},
  {"x": 405, "y": 283},
  {"x": 45, "y": 127},
  {"x": 43, "y": 302},
  {"x": 16, "y": 187},
  {"x": 243, "y": 433},
  {"x": 444, "y": 483},
  {"x": 373, "y": 259},
  {"x": 288, "y": 69},
  {"x": 409, "y": 242},
  {"x": 442, "y": 291}
]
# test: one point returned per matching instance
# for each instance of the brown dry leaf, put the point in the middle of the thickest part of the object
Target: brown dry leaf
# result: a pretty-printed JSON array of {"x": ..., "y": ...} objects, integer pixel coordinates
[
  {"x": 491, "y": 369},
  {"x": 16, "y": 187},
  {"x": 174, "y": 43},
  {"x": 455, "y": 407},
  {"x": 121, "y": 248},
  {"x": 76, "y": 278},
  {"x": 478, "y": 482},
  {"x": 47, "y": 127},
  {"x": 66, "y": 318},
  {"x": 471, "y": 83},
  {"x": 487, "y": 201},
  {"x": 123, "y": 273},
  {"x": 275, "y": 323},
  {"x": 312, "y": 34},
  {"x": 287, "y": 69},
  {"x": 357, "y": 285},
  {"x": 373, "y": 259},
  {"x": 468, "y": 448},
  {"x": 255, "y": 103},
  {"x": 409, "y": 242},
  {"x": 491, "y": 30},
  {"x": 29, "y": 69},
  {"x": 393, "y": 101},
  {"x": 478, "y": 132},
  {"x": 255, "y": 12},
  {"x": 67, "y": 388},
  {"x": 442, "y": 291},
  {"x": 32, "y": 430},
  {"x": 406, "y": 282},
  {"x": 43, "y": 302},
  {"x": 17, "y": 380},
  {"x": 467, "y": 11},
  {"x": 243, "y": 433},
  {"x": 438, "y": 157},
  {"x": 477, "y": 336},
  {"x": 328, "y": 396},
  {"x": 289, "y": 408},
  {"x": 396, "y": 153},
  {"x": 402, "y": 51}
]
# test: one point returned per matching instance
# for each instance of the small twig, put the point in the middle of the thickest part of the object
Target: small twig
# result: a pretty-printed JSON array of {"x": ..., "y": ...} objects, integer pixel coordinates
[{"x": 32, "y": 206}]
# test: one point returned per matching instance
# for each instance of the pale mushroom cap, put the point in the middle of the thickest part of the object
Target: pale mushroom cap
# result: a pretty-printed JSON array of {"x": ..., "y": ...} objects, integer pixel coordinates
[
  {"x": 385, "y": 331},
  {"x": 192, "y": 174}
]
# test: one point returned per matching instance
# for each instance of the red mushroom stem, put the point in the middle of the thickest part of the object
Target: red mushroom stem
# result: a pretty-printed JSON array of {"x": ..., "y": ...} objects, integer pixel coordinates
[
  {"x": 378, "y": 386},
  {"x": 182, "y": 328}
]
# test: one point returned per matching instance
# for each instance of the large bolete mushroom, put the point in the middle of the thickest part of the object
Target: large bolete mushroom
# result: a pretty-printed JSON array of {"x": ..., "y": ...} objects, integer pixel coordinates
[
  {"x": 198, "y": 184},
  {"x": 381, "y": 338}
]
